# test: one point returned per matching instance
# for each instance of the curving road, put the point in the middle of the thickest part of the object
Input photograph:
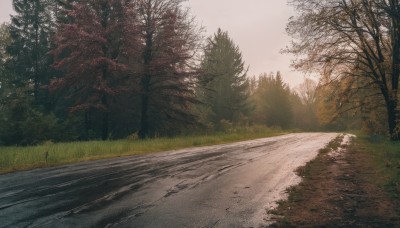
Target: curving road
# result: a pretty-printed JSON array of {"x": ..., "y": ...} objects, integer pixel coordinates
[{"x": 232, "y": 185}]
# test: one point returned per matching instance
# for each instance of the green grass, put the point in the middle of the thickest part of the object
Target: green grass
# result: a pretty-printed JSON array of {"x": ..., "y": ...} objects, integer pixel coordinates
[
  {"x": 25, "y": 158},
  {"x": 386, "y": 158}
]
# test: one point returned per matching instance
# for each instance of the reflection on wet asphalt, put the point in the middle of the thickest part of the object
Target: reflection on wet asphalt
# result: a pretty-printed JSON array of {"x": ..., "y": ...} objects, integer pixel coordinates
[{"x": 217, "y": 186}]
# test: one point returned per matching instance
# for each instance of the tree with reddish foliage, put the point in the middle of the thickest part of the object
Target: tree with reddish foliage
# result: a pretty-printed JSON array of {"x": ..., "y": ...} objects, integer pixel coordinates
[
  {"x": 171, "y": 42},
  {"x": 92, "y": 51}
]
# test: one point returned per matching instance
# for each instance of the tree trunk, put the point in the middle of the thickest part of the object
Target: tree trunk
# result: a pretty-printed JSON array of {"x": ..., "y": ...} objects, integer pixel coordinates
[
  {"x": 35, "y": 55},
  {"x": 88, "y": 124},
  {"x": 144, "y": 119},
  {"x": 145, "y": 83},
  {"x": 105, "y": 16},
  {"x": 393, "y": 100},
  {"x": 104, "y": 131},
  {"x": 144, "y": 125},
  {"x": 392, "y": 121}
]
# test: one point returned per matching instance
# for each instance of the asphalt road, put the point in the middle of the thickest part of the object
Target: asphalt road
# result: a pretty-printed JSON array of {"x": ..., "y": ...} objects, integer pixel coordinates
[{"x": 231, "y": 185}]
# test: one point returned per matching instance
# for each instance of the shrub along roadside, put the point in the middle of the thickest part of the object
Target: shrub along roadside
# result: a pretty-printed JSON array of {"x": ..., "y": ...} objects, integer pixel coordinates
[{"x": 55, "y": 154}]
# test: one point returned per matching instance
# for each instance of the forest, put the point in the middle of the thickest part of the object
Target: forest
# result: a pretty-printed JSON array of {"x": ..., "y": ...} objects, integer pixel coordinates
[{"x": 77, "y": 70}]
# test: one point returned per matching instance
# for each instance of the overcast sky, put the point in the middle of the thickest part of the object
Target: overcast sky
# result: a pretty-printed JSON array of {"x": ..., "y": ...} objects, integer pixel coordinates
[{"x": 256, "y": 26}]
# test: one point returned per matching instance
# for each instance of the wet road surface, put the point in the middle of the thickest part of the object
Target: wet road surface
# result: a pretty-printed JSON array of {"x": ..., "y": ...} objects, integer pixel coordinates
[{"x": 217, "y": 186}]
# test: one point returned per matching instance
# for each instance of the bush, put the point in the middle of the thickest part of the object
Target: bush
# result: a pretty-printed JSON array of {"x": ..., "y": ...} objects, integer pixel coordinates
[
  {"x": 37, "y": 128},
  {"x": 22, "y": 125}
]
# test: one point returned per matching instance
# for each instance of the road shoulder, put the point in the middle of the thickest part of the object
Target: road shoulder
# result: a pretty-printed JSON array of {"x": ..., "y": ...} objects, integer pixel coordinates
[{"x": 336, "y": 192}]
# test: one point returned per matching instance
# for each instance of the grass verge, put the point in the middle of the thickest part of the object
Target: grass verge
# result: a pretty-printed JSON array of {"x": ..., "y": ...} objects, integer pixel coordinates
[
  {"x": 385, "y": 155},
  {"x": 55, "y": 154}
]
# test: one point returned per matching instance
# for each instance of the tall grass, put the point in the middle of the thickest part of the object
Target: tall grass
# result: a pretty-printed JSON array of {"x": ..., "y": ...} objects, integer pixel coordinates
[
  {"x": 386, "y": 156},
  {"x": 54, "y": 154}
]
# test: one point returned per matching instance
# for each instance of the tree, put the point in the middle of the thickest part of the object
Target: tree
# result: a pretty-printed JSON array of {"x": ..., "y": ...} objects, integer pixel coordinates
[
  {"x": 340, "y": 106},
  {"x": 224, "y": 86},
  {"x": 304, "y": 105},
  {"x": 93, "y": 48},
  {"x": 171, "y": 42},
  {"x": 358, "y": 39},
  {"x": 20, "y": 122},
  {"x": 30, "y": 30},
  {"x": 5, "y": 40},
  {"x": 272, "y": 101},
  {"x": 307, "y": 92}
]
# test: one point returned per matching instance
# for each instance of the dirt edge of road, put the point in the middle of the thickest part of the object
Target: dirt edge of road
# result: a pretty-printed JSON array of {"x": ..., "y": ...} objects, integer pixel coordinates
[{"x": 336, "y": 192}]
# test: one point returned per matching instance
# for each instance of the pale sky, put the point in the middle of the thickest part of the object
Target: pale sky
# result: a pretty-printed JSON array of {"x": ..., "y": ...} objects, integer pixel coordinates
[{"x": 256, "y": 26}]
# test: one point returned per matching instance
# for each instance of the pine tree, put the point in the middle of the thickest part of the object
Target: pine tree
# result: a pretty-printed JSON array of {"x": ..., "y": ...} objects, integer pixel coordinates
[
  {"x": 93, "y": 49},
  {"x": 171, "y": 40},
  {"x": 224, "y": 86},
  {"x": 5, "y": 76},
  {"x": 31, "y": 29},
  {"x": 272, "y": 101}
]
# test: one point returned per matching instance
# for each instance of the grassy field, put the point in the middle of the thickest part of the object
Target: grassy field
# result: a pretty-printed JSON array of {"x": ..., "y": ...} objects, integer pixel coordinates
[
  {"x": 55, "y": 154},
  {"x": 386, "y": 157}
]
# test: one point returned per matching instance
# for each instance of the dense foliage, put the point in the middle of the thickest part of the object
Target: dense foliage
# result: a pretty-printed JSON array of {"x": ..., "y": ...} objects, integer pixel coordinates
[
  {"x": 166, "y": 77},
  {"x": 272, "y": 99},
  {"x": 355, "y": 46},
  {"x": 224, "y": 86},
  {"x": 107, "y": 69}
]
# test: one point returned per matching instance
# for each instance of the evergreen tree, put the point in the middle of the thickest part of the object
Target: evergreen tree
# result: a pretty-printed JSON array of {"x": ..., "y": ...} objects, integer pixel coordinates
[
  {"x": 93, "y": 49},
  {"x": 20, "y": 122},
  {"x": 171, "y": 41},
  {"x": 224, "y": 87},
  {"x": 272, "y": 99},
  {"x": 5, "y": 40},
  {"x": 31, "y": 29}
]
